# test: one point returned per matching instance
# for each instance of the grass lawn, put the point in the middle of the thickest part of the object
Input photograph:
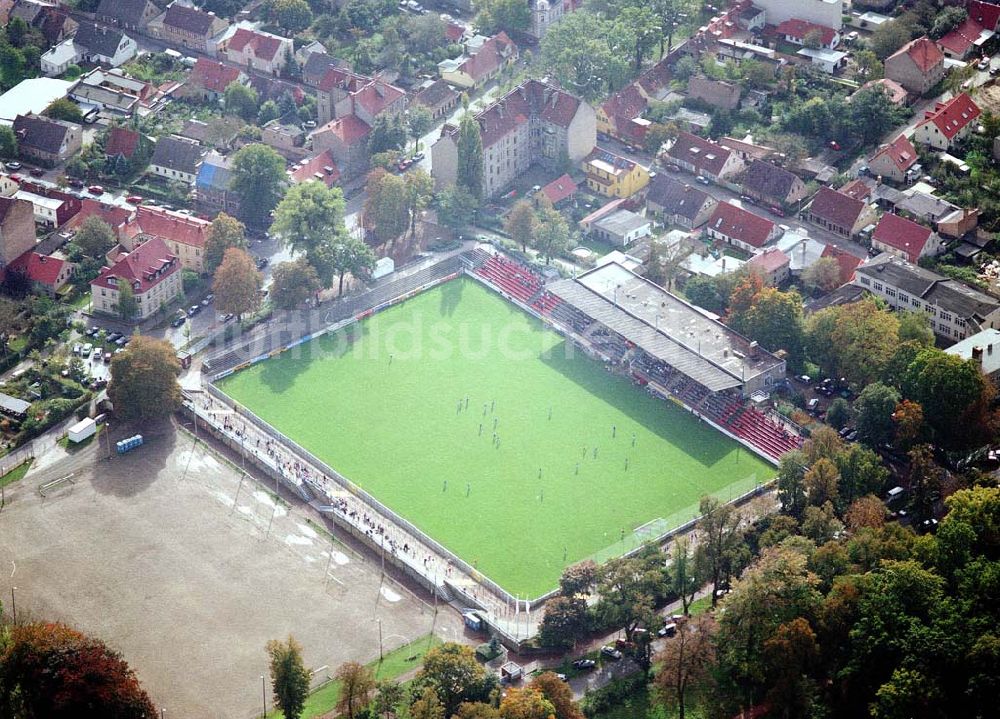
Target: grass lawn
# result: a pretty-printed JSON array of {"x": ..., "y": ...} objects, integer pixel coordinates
[
  {"x": 16, "y": 474},
  {"x": 583, "y": 459},
  {"x": 393, "y": 665}
]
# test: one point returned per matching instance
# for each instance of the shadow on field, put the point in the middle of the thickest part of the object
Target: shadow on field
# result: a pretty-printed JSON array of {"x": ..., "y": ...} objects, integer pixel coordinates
[
  {"x": 697, "y": 439},
  {"x": 451, "y": 296},
  {"x": 129, "y": 474}
]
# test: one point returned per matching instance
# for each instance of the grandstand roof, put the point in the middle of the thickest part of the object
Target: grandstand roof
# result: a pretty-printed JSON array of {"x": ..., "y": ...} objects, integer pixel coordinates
[{"x": 665, "y": 326}]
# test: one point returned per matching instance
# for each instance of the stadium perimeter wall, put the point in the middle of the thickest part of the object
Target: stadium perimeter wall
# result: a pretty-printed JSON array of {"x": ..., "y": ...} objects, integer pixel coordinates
[{"x": 431, "y": 583}]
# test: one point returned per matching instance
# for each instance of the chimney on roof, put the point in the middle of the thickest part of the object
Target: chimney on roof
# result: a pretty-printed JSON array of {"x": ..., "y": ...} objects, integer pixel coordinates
[
  {"x": 754, "y": 347},
  {"x": 977, "y": 354}
]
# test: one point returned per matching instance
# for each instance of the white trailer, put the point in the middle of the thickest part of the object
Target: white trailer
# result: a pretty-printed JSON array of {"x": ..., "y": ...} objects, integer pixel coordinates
[{"x": 82, "y": 430}]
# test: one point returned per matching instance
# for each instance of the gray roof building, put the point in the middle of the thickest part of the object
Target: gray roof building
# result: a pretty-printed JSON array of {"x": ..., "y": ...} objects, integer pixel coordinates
[
  {"x": 98, "y": 40},
  {"x": 173, "y": 153}
]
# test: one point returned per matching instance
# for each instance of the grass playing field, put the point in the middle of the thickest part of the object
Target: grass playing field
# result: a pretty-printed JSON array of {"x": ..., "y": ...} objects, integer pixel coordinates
[{"x": 384, "y": 403}]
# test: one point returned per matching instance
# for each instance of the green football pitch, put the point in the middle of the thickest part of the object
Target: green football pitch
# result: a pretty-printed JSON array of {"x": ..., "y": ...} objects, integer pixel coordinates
[{"x": 494, "y": 435}]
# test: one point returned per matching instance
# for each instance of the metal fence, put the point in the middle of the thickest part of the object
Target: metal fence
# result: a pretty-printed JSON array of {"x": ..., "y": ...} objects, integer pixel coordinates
[{"x": 15, "y": 459}]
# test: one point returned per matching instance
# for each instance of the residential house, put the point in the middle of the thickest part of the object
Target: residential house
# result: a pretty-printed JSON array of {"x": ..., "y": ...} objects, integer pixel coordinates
[
  {"x": 209, "y": 79},
  {"x": 287, "y": 140},
  {"x": 177, "y": 159},
  {"x": 315, "y": 47},
  {"x": 829, "y": 61},
  {"x": 153, "y": 273},
  {"x": 92, "y": 43},
  {"x": 955, "y": 310},
  {"x": 17, "y": 229},
  {"x": 114, "y": 215},
  {"x": 257, "y": 50},
  {"x": 533, "y": 123},
  {"x": 188, "y": 27},
  {"x": 918, "y": 66},
  {"x": 969, "y": 36},
  {"x": 772, "y": 265},
  {"x": 947, "y": 219},
  {"x": 893, "y": 90},
  {"x": 948, "y": 123},
  {"x": 840, "y": 213},
  {"x": 212, "y": 187},
  {"x": 45, "y": 140},
  {"x": 220, "y": 133},
  {"x": 346, "y": 138},
  {"x": 983, "y": 348},
  {"x": 47, "y": 274},
  {"x": 121, "y": 145},
  {"x": 802, "y": 251},
  {"x": 846, "y": 262},
  {"x": 620, "y": 116},
  {"x": 905, "y": 238},
  {"x": 797, "y": 32},
  {"x": 560, "y": 191},
  {"x": 714, "y": 93},
  {"x": 894, "y": 161},
  {"x": 748, "y": 150},
  {"x": 704, "y": 157},
  {"x": 52, "y": 207},
  {"x": 341, "y": 93},
  {"x": 677, "y": 203},
  {"x": 54, "y": 24},
  {"x": 612, "y": 175},
  {"x": 438, "y": 97},
  {"x": 321, "y": 167},
  {"x": 544, "y": 13},
  {"x": 771, "y": 184},
  {"x": 315, "y": 67},
  {"x": 619, "y": 228},
  {"x": 822, "y": 12},
  {"x": 740, "y": 228},
  {"x": 97, "y": 101},
  {"x": 482, "y": 61},
  {"x": 183, "y": 235},
  {"x": 752, "y": 19},
  {"x": 127, "y": 14}
]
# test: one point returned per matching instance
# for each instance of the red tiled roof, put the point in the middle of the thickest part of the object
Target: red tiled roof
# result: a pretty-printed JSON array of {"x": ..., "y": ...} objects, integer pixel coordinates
[
  {"x": 706, "y": 156},
  {"x": 349, "y": 129},
  {"x": 532, "y": 98},
  {"x": 769, "y": 261},
  {"x": 657, "y": 77},
  {"x": 148, "y": 264},
  {"x": 264, "y": 46},
  {"x": 845, "y": 260},
  {"x": 900, "y": 153},
  {"x": 960, "y": 40},
  {"x": 490, "y": 56},
  {"x": 342, "y": 78},
  {"x": 559, "y": 189},
  {"x": 624, "y": 106},
  {"x": 453, "y": 32},
  {"x": 856, "y": 189},
  {"x": 902, "y": 234},
  {"x": 739, "y": 224},
  {"x": 376, "y": 96},
  {"x": 951, "y": 116},
  {"x": 923, "y": 52},
  {"x": 895, "y": 91},
  {"x": 213, "y": 76},
  {"x": 41, "y": 269},
  {"x": 986, "y": 14},
  {"x": 121, "y": 141},
  {"x": 321, "y": 167},
  {"x": 836, "y": 207},
  {"x": 157, "y": 222},
  {"x": 798, "y": 29},
  {"x": 114, "y": 215}
]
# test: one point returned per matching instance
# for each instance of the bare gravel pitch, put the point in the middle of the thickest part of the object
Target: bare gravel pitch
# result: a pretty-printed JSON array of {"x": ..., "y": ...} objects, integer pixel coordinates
[{"x": 147, "y": 552}]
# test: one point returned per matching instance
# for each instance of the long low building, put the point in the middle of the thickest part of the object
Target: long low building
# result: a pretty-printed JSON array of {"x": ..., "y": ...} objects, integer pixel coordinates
[{"x": 671, "y": 330}]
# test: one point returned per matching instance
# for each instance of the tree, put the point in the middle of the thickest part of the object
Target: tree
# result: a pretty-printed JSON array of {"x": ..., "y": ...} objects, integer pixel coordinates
[
  {"x": 791, "y": 655},
  {"x": 357, "y": 685},
  {"x": 558, "y": 694},
  {"x": 551, "y": 234},
  {"x": 293, "y": 15},
  {"x": 916, "y": 327},
  {"x": 268, "y": 111},
  {"x": 889, "y": 37},
  {"x": 821, "y": 482},
  {"x": 564, "y": 621},
  {"x": 310, "y": 221},
  {"x": 685, "y": 662},
  {"x": 455, "y": 676},
  {"x": 51, "y": 670},
  {"x": 289, "y": 676},
  {"x": 822, "y": 276},
  {"x": 925, "y": 482},
  {"x": 791, "y": 489},
  {"x": 910, "y": 427},
  {"x": 508, "y": 15},
  {"x": 861, "y": 473},
  {"x": 457, "y": 208},
  {"x": 526, "y": 703},
  {"x": 143, "y": 383},
  {"x": 388, "y": 134},
  {"x": 867, "y": 511},
  {"x": 637, "y": 28},
  {"x": 476, "y": 710},
  {"x": 241, "y": 100},
  {"x": 386, "y": 210},
  {"x": 127, "y": 305},
  {"x": 864, "y": 339},
  {"x": 388, "y": 697},
  {"x": 813, "y": 39},
  {"x": 629, "y": 587},
  {"x": 869, "y": 67},
  {"x": 258, "y": 177},
  {"x": 521, "y": 224},
  {"x": 584, "y": 52},
  {"x": 419, "y": 191},
  {"x": 237, "y": 283},
  {"x": 719, "y": 543},
  {"x": 838, "y": 414},
  {"x": 946, "y": 21},
  {"x": 664, "y": 263},
  {"x": 775, "y": 321},
  {"x": 873, "y": 409},
  {"x": 353, "y": 256},
  {"x": 954, "y": 395},
  {"x": 95, "y": 237},
  {"x": 470, "y": 157},
  {"x": 292, "y": 283},
  {"x": 578, "y": 579},
  {"x": 225, "y": 232},
  {"x": 427, "y": 706},
  {"x": 685, "y": 579},
  {"x": 64, "y": 109},
  {"x": 8, "y": 142},
  {"x": 702, "y": 291},
  {"x": 419, "y": 122}
]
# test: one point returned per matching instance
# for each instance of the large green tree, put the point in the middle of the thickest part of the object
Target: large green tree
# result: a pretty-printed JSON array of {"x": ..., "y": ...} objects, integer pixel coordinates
[
  {"x": 144, "y": 380},
  {"x": 551, "y": 234},
  {"x": 586, "y": 55},
  {"x": 289, "y": 676},
  {"x": 386, "y": 210},
  {"x": 95, "y": 237},
  {"x": 508, "y": 15},
  {"x": 954, "y": 395},
  {"x": 521, "y": 223},
  {"x": 241, "y": 100},
  {"x": 292, "y": 283},
  {"x": 470, "y": 157},
  {"x": 226, "y": 232},
  {"x": 310, "y": 221},
  {"x": 258, "y": 177},
  {"x": 237, "y": 283},
  {"x": 873, "y": 410},
  {"x": 8, "y": 142},
  {"x": 719, "y": 550},
  {"x": 452, "y": 672}
]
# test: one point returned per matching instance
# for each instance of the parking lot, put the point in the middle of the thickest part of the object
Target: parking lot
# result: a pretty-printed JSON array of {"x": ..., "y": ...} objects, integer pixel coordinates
[{"x": 167, "y": 556}]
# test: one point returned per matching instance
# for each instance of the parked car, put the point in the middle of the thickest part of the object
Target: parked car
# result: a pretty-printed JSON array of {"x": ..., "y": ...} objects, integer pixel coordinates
[
  {"x": 36, "y": 172},
  {"x": 775, "y": 210},
  {"x": 75, "y": 183},
  {"x": 703, "y": 180},
  {"x": 667, "y": 630},
  {"x": 193, "y": 310},
  {"x": 983, "y": 64},
  {"x": 674, "y": 167},
  {"x": 87, "y": 349},
  {"x": 95, "y": 190},
  {"x": 178, "y": 321},
  {"x": 77, "y": 348},
  {"x": 133, "y": 199},
  {"x": 419, "y": 156},
  {"x": 13, "y": 165},
  {"x": 93, "y": 330},
  {"x": 584, "y": 664},
  {"x": 114, "y": 336},
  {"x": 261, "y": 262},
  {"x": 610, "y": 652},
  {"x": 834, "y": 145},
  {"x": 107, "y": 356},
  {"x": 227, "y": 317},
  {"x": 207, "y": 300}
]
